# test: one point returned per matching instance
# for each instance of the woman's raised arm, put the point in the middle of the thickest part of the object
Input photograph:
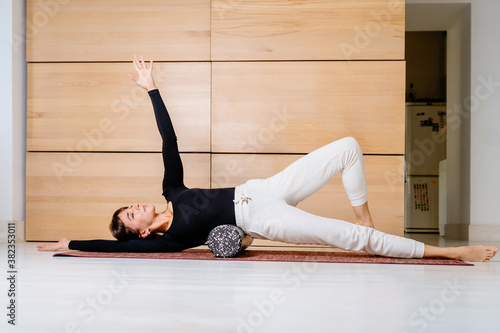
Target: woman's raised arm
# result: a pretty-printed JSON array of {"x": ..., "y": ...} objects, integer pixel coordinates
[{"x": 173, "y": 170}]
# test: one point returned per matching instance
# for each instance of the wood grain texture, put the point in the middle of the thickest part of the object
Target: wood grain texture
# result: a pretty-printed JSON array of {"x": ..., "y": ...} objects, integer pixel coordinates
[
  {"x": 384, "y": 176},
  {"x": 74, "y": 195},
  {"x": 97, "y": 107},
  {"x": 113, "y": 30},
  {"x": 81, "y": 102},
  {"x": 308, "y": 30},
  {"x": 296, "y": 107}
]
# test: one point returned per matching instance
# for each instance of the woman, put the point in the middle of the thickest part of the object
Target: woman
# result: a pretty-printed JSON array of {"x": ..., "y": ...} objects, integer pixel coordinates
[{"x": 263, "y": 208}]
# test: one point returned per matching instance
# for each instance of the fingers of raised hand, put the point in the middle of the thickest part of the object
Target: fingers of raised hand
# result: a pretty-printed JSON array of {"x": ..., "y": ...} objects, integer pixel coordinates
[
  {"x": 140, "y": 64},
  {"x": 136, "y": 63}
]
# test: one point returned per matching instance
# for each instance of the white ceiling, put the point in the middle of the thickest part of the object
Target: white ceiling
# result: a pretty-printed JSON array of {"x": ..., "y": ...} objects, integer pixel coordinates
[{"x": 433, "y": 17}]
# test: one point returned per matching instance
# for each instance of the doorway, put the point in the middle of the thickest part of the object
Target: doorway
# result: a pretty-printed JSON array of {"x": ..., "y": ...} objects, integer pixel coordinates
[{"x": 455, "y": 21}]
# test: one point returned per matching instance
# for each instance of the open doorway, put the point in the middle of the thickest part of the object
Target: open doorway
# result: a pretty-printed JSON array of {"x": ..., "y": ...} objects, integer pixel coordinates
[
  {"x": 425, "y": 135},
  {"x": 452, "y": 24}
]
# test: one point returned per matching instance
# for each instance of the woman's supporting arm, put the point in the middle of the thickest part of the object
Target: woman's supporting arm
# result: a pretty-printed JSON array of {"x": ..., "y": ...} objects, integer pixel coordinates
[
  {"x": 133, "y": 245},
  {"x": 101, "y": 245},
  {"x": 61, "y": 245}
]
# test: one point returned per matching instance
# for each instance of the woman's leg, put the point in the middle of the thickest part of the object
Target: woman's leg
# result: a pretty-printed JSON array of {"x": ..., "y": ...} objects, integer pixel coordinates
[
  {"x": 311, "y": 172},
  {"x": 308, "y": 174},
  {"x": 363, "y": 215},
  {"x": 281, "y": 222}
]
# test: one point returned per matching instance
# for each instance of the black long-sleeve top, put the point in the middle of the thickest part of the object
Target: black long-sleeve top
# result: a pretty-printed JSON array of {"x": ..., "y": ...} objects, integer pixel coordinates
[{"x": 196, "y": 211}]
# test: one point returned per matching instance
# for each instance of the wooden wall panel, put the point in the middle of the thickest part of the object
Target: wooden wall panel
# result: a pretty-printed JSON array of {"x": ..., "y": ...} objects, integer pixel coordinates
[
  {"x": 296, "y": 107},
  {"x": 97, "y": 107},
  {"x": 74, "y": 195},
  {"x": 308, "y": 30},
  {"x": 113, "y": 30},
  {"x": 92, "y": 133},
  {"x": 384, "y": 182}
]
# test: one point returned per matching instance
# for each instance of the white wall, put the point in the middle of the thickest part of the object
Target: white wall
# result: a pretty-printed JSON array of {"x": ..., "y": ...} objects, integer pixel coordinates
[
  {"x": 459, "y": 122},
  {"x": 485, "y": 125},
  {"x": 484, "y": 98},
  {"x": 13, "y": 114},
  {"x": 6, "y": 167},
  {"x": 19, "y": 86}
]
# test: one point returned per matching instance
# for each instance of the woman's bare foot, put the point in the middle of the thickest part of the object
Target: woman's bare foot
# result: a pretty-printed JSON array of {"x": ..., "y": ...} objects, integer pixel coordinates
[
  {"x": 465, "y": 253},
  {"x": 476, "y": 253}
]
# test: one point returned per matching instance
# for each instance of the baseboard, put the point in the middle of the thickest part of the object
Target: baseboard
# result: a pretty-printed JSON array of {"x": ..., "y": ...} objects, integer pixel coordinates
[
  {"x": 16, "y": 228},
  {"x": 457, "y": 231},
  {"x": 484, "y": 233}
]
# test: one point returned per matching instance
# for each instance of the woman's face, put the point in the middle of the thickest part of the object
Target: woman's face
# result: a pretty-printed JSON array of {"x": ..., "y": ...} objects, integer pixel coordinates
[{"x": 138, "y": 217}]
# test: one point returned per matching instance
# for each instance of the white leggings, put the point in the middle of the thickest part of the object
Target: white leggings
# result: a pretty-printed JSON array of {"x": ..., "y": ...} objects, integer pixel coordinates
[{"x": 265, "y": 208}]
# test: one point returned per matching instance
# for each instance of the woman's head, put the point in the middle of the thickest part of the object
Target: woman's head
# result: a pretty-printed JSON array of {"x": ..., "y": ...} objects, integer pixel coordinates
[
  {"x": 132, "y": 222},
  {"x": 119, "y": 230}
]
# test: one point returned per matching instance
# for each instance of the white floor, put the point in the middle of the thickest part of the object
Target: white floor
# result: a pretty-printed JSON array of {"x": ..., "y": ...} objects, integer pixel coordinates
[{"x": 133, "y": 295}]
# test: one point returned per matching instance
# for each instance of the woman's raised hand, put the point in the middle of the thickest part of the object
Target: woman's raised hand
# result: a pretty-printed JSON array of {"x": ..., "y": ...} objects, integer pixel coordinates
[
  {"x": 145, "y": 75},
  {"x": 61, "y": 245}
]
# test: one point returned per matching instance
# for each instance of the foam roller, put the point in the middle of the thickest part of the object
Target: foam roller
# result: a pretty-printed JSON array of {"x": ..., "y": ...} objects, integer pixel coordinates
[{"x": 228, "y": 240}]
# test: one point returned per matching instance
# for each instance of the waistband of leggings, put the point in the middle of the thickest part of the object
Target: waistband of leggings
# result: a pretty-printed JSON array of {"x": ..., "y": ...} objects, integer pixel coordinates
[{"x": 240, "y": 208}]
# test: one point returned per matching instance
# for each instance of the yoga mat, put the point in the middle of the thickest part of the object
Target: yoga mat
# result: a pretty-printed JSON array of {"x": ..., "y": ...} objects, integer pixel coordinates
[{"x": 271, "y": 255}]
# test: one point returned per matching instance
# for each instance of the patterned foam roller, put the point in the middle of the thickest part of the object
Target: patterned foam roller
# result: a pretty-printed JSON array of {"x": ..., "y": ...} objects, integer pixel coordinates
[{"x": 227, "y": 241}]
